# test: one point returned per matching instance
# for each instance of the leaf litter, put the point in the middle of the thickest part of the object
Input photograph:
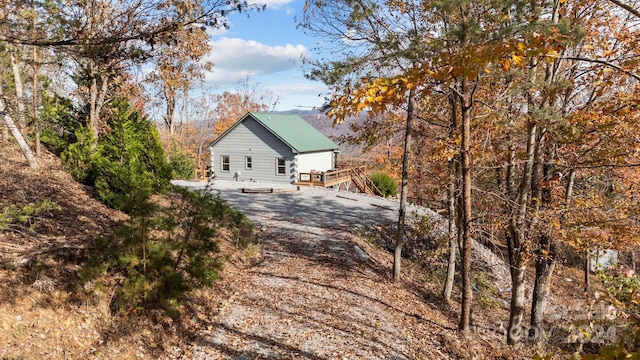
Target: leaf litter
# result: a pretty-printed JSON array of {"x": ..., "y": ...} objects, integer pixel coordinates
[{"x": 313, "y": 286}]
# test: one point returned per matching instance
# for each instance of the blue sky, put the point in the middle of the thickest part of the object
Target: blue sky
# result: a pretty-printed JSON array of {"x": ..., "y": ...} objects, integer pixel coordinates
[{"x": 266, "y": 47}]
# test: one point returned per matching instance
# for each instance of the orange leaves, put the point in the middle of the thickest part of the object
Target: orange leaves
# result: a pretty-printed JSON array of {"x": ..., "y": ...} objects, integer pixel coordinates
[
  {"x": 517, "y": 59},
  {"x": 604, "y": 134},
  {"x": 232, "y": 105},
  {"x": 599, "y": 219},
  {"x": 445, "y": 149},
  {"x": 402, "y": 6},
  {"x": 470, "y": 62},
  {"x": 375, "y": 95},
  {"x": 473, "y": 60}
]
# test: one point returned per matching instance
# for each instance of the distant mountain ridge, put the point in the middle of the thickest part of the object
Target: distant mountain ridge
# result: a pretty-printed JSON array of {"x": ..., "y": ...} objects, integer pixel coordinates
[{"x": 325, "y": 125}]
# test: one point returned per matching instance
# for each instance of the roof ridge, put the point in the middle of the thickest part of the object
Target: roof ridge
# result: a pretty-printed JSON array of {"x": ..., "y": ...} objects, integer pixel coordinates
[{"x": 291, "y": 129}]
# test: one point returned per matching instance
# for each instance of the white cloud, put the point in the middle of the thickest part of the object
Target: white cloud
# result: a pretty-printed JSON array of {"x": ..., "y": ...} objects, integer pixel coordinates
[
  {"x": 299, "y": 88},
  {"x": 271, "y": 4},
  {"x": 216, "y": 31},
  {"x": 305, "y": 95},
  {"x": 236, "y": 59}
]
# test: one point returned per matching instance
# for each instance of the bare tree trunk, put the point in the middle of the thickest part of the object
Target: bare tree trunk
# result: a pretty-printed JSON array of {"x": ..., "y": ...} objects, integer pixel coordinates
[
  {"x": 93, "y": 101},
  {"x": 451, "y": 194},
  {"x": 451, "y": 265},
  {"x": 5, "y": 128},
  {"x": 36, "y": 113},
  {"x": 102, "y": 97},
  {"x": 9, "y": 124},
  {"x": 545, "y": 252},
  {"x": 517, "y": 244},
  {"x": 568, "y": 199},
  {"x": 198, "y": 162},
  {"x": 465, "y": 249},
  {"x": 546, "y": 255},
  {"x": 170, "y": 95},
  {"x": 99, "y": 85},
  {"x": 545, "y": 264},
  {"x": 5, "y": 132},
  {"x": 26, "y": 151},
  {"x": 510, "y": 181},
  {"x": 397, "y": 257},
  {"x": 587, "y": 270},
  {"x": 516, "y": 309},
  {"x": 17, "y": 78}
]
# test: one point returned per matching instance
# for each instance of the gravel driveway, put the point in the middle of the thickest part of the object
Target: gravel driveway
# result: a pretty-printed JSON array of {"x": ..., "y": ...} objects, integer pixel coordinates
[
  {"x": 337, "y": 303},
  {"x": 319, "y": 206}
]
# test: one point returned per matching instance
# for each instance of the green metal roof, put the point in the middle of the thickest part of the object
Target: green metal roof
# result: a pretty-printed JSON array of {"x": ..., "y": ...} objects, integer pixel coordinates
[
  {"x": 295, "y": 132},
  {"x": 290, "y": 129}
]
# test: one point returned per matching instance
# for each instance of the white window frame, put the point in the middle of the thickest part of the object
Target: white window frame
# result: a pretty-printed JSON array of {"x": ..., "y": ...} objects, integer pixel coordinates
[
  {"x": 222, "y": 163},
  {"x": 248, "y": 163},
  {"x": 278, "y": 167}
]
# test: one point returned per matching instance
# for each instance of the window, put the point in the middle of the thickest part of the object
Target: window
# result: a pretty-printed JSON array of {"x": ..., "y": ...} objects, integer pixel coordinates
[
  {"x": 224, "y": 163},
  {"x": 247, "y": 162},
  {"x": 280, "y": 167}
]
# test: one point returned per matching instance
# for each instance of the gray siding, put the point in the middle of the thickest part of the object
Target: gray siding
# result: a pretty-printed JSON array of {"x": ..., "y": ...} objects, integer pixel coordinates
[{"x": 251, "y": 139}]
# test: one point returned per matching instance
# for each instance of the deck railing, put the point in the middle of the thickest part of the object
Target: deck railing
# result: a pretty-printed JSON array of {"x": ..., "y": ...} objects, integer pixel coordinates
[
  {"x": 339, "y": 176},
  {"x": 324, "y": 178}
]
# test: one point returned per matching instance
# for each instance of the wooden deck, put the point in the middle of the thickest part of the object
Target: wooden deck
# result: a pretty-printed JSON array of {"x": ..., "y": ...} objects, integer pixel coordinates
[{"x": 338, "y": 179}]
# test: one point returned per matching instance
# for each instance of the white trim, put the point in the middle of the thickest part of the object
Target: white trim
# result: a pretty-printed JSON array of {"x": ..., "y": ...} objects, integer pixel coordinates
[
  {"x": 222, "y": 158},
  {"x": 284, "y": 166}
]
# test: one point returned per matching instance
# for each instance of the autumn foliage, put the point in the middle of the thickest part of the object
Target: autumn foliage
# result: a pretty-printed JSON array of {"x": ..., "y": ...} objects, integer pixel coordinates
[{"x": 527, "y": 111}]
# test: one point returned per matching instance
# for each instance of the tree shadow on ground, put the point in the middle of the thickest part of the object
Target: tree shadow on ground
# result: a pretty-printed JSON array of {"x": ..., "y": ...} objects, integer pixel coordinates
[
  {"x": 51, "y": 244},
  {"x": 292, "y": 351},
  {"x": 355, "y": 293},
  {"x": 362, "y": 329}
]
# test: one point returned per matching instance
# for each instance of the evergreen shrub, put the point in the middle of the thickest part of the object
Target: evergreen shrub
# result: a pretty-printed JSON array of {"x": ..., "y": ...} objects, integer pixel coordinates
[
  {"x": 126, "y": 165},
  {"x": 59, "y": 123},
  {"x": 182, "y": 165},
  {"x": 385, "y": 183},
  {"x": 23, "y": 215},
  {"x": 166, "y": 251}
]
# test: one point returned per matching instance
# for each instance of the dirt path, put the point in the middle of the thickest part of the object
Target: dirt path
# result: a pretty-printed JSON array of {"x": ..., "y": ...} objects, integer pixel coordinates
[{"x": 338, "y": 302}]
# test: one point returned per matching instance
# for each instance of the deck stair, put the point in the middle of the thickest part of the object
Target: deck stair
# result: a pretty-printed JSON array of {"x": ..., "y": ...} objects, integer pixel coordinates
[{"x": 362, "y": 181}]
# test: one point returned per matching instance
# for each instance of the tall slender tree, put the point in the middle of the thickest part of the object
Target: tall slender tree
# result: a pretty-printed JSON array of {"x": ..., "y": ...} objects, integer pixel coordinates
[
  {"x": 15, "y": 132},
  {"x": 178, "y": 65},
  {"x": 375, "y": 42}
]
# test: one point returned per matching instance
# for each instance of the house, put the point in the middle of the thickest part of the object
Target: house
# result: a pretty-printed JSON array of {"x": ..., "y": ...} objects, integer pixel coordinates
[
  {"x": 271, "y": 147},
  {"x": 602, "y": 259}
]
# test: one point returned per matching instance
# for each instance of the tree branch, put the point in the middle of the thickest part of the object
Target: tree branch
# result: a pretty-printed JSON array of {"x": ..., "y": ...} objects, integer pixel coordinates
[
  {"x": 631, "y": 10},
  {"x": 602, "y": 62},
  {"x": 596, "y": 166},
  {"x": 208, "y": 17}
]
